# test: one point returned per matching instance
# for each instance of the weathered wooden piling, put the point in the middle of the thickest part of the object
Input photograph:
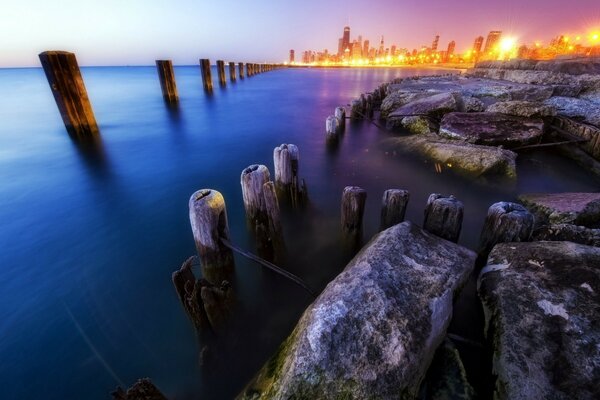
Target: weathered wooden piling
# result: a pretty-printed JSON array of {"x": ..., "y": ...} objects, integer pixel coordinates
[
  {"x": 221, "y": 72},
  {"x": 340, "y": 114},
  {"x": 356, "y": 109},
  {"x": 353, "y": 209},
  {"x": 252, "y": 180},
  {"x": 166, "y": 75},
  {"x": 232, "y": 77},
  {"x": 248, "y": 70},
  {"x": 443, "y": 216},
  {"x": 505, "y": 222},
  {"x": 70, "y": 94},
  {"x": 208, "y": 218},
  {"x": 241, "y": 70},
  {"x": 369, "y": 106},
  {"x": 332, "y": 128},
  {"x": 393, "y": 207},
  {"x": 274, "y": 215},
  {"x": 286, "y": 159},
  {"x": 206, "y": 74}
]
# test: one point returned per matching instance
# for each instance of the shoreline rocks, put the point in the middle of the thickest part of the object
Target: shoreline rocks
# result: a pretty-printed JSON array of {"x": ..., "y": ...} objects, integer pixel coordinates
[{"x": 564, "y": 208}]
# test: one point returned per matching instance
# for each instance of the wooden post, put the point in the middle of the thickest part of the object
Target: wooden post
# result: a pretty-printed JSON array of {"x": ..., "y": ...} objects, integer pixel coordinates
[
  {"x": 393, "y": 208},
  {"x": 275, "y": 229},
  {"x": 241, "y": 70},
  {"x": 206, "y": 74},
  {"x": 286, "y": 159},
  {"x": 248, "y": 70},
  {"x": 369, "y": 106},
  {"x": 356, "y": 109},
  {"x": 70, "y": 94},
  {"x": 232, "y": 77},
  {"x": 505, "y": 222},
  {"x": 443, "y": 216},
  {"x": 331, "y": 128},
  {"x": 340, "y": 114},
  {"x": 353, "y": 209},
  {"x": 167, "y": 81},
  {"x": 208, "y": 218},
  {"x": 221, "y": 72}
]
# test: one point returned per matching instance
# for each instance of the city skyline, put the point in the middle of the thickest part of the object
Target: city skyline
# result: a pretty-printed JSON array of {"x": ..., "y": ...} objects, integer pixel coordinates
[{"x": 137, "y": 33}]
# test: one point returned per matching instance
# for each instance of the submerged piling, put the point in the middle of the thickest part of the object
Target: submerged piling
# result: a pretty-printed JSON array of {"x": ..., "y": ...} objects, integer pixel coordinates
[
  {"x": 232, "y": 77},
  {"x": 286, "y": 159},
  {"x": 241, "y": 70},
  {"x": 166, "y": 76},
  {"x": 353, "y": 209},
  {"x": 206, "y": 74},
  {"x": 356, "y": 109},
  {"x": 393, "y": 207},
  {"x": 443, "y": 216},
  {"x": 70, "y": 94},
  {"x": 332, "y": 128},
  {"x": 221, "y": 72},
  {"x": 505, "y": 222},
  {"x": 340, "y": 114}
]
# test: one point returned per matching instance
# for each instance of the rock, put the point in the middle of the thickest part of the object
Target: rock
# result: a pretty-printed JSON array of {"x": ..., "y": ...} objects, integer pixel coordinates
[
  {"x": 580, "y": 109},
  {"x": 568, "y": 232},
  {"x": 373, "y": 331},
  {"x": 446, "y": 377},
  {"x": 433, "y": 106},
  {"x": 143, "y": 389},
  {"x": 566, "y": 208},
  {"x": 418, "y": 125},
  {"x": 491, "y": 129},
  {"x": 520, "y": 108},
  {"x": 465, "y": 159},
  {"x": 542, "y": 306},
  {"x": 398, "y": 99},
  {"x": 472, "y": 104}
]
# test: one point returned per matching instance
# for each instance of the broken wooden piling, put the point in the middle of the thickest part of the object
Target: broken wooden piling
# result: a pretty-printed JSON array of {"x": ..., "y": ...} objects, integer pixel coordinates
[
  {"x": 70, "y": 94},
  {"x": 274, "y": 216},
  {"x": 356, "y": 109},
  {"x": 340, "y": 114},
  {"x": 166, "y": 76},
  {"x": 232, "y": 77},
  {"x": 221, "y": 72},
  {"x": 393, "y": 207},
  {"x": 332, "y": 128},
  {"x": 443, "y": 216},
  {"x": 241, "y": 70},
  {"x": 353, "y": 208},
  {"x": 208, "y": 218},
  {"x": 505, "y": 222},
  {"x": 206, "y": 74},
  {"x": 286, "y": 160}
]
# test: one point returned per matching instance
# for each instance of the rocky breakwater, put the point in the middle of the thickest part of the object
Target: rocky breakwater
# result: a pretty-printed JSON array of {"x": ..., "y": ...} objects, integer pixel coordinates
[
  {"x": 542, "y": 306},
  {"x": 502, "y": 108},
  {"x": 373, "y": 331}
]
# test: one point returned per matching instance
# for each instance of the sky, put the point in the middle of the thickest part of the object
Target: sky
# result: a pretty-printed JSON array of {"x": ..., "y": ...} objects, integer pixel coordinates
[{"x": 136, "y": 32}]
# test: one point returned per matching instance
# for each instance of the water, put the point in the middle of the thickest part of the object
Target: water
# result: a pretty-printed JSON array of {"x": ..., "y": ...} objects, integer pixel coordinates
[{"x": 91, "y": 235}]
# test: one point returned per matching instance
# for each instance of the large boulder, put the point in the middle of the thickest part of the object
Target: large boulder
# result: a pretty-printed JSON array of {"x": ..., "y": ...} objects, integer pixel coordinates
[
  {"x": 432, "y": 106},
  {"x": 491, "y": 129},
  {"x": 466, "y": 159},
  {"x": 569, "y": 233},
  {"x": 373, "y": 331},
  {"x": 564, "y": 208},
  {"x": 542, "y": 306},
  {"x": 418, "y": 125},
  {"x": 398, "y": 99},
  {"x": 579, "y": 109},
  {"x": 520, "y": 108}
]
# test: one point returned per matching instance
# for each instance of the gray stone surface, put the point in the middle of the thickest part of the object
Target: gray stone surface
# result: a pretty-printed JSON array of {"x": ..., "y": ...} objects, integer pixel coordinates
[
  {"x": 491, "y": 129},
  {"x": 463, "y": 158},
  {"x": 566, "y": 208},
  {"x": 522, "y": 108},
  {"x": 568, "y": 232},
  {"x": 418, "y": 125},
  {"x": 432, "y": 106},
  {"x": 579, "y": 109},
  {"x": 398, "y": 99},
  {"x": 373, "y": 331},
  {"x": 542, "y": 306}
]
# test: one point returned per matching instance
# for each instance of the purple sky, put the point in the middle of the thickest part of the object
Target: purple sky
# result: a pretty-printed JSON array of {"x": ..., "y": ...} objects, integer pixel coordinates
[{"x": 117, "y": 32}]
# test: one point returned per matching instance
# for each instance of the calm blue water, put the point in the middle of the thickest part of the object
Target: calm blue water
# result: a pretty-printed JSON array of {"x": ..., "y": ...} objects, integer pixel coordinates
[{"x": 89, "y": 237}]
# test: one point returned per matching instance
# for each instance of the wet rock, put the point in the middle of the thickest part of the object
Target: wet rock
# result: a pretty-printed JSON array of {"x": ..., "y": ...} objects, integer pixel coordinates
[
  {"x": 564, "y": 208},
  {"x": 143, "y": 389},
  {"x": 542, "y": 306},
  {"x": 418, "y": 125},
  {"x": 568, "y": 232},
  {"x": 491, "y": 129},
  {"x": 446, "y": 377},
  {"x": 374, "y": 329},
  {"x": 398, "y": 99},
  {"x": 433, "y": 106},
  {"x": 472, "y": 104},
  {"x": 580, "y": 109},
  {"x": 520, "y": 108},
  {"x": 465, "y": 159}
]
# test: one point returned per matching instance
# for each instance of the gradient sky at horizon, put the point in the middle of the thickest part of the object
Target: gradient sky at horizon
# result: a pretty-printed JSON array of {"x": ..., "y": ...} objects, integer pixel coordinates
[{"x": 136, "y": 32}]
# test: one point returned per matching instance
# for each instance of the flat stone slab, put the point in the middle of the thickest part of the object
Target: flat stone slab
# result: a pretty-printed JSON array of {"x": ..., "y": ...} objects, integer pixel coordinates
[
  {"x": 579, "y": 109},
  {"x": 564, "y": 208},
  {"x": 542, "y": 306},
  {"x": 373, "y": 331},
  {"x": 432, "y": 106},
  {"x": 491, "y": 129},
  {"x": 521, "y": 108}
]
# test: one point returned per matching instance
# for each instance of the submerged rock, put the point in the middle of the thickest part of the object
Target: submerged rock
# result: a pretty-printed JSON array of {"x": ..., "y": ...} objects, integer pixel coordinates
[
  {"x": 374, "y": 329},
  {"x": 527, "y": 109},
  {"x": 491, "y": 129},
  {"x": 466, "y": 159},
  {"x": 143, "y": 389},
  {"x": 542, "y": 306},
  {"x": 564, "y": 208}
]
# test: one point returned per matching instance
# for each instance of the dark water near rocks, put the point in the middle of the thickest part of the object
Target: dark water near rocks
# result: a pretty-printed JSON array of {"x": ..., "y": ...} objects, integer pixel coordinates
[{"x": 89, "y": 237}]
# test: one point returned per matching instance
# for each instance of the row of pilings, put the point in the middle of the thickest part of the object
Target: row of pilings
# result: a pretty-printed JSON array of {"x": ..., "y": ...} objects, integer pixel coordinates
[{"x": 69, "y": 91}]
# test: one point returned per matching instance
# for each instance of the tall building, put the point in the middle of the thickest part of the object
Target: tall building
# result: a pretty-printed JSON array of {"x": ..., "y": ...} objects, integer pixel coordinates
[
  {"x": 451, "y": 47},
  {"x": 493, "y": 39},
  {"x": 434, "y": 45},
  {"x": 346, "y": 39},
  {"x": 393, "y": 51},
  {"x": 291, "y": 56},
  {"x": 340, "y": 47},
  {"x": 381, "y": 47},
  {"x": 356, "y": 50},
  {"x": 477, "y": 45},
  {"x": 365, "y": 48}
]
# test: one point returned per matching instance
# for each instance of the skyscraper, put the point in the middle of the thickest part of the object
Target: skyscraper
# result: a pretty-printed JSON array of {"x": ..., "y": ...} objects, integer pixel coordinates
[
  {"x": 365, "y": 48},
  {"x": 292, "y": 56},
  {"x": 346, "y": 39},
  {"x": 340, "y": 47},
  {"x": 492, "y": 41},
  {"x": 434, "y": 45},
  {"x": 381, "y": 47},
  {"x": 477, "y": 45},
  {"x": 451, "y": 47},
  {"x": 356, "y": 50}
]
